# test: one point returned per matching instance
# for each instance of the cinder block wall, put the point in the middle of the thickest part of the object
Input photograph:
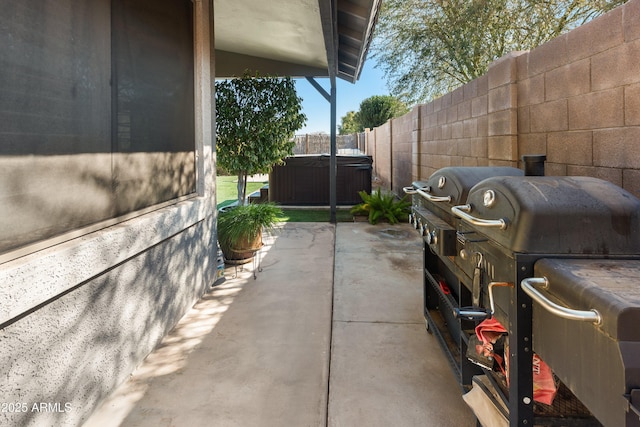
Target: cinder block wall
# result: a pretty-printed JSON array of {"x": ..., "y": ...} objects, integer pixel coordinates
[
  {"x": 579, "y": 98},
  {"x": 575, "y": 99},
  {"x": 402, "y": 131},
  {"x": 382, "y": 148}
]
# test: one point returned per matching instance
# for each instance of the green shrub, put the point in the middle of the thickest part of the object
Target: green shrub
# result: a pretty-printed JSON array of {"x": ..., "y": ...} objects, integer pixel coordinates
[{"x": 379, "y": 205}]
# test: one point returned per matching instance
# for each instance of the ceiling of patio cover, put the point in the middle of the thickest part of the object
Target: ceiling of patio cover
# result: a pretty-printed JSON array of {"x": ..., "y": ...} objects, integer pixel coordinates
[{"x": 298, "y": 38}]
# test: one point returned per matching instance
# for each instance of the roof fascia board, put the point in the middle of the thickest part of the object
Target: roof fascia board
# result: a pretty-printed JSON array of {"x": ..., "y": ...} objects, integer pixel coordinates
[
  {"x": 372, "y": 20},
  {"x": 228, "y": 64},
  {"x": 329, "y": 18}
]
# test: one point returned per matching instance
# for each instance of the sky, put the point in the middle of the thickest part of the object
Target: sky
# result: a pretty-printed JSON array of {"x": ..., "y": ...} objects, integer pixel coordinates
[{"x": 348, "y": 97}]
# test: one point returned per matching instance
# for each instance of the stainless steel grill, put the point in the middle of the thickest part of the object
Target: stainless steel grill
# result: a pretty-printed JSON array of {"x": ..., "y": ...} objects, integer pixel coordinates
[
  {"x": 433, "y": 199},
  {"x": 556, "y": 260}
]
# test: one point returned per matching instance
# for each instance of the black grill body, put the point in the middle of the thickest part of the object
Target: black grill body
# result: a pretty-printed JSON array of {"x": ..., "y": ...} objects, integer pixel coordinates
[{"x": 512, "y": 228}]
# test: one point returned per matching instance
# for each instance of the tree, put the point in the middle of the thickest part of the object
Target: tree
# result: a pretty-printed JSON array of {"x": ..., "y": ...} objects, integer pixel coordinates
[
  {"x": 256, "y": 118},
  {"x": 350, "y": 124},
  {"x": 378, "y": 109},
  {"x": 429, "y": 47},
  {"x": 374, "y": 111}
]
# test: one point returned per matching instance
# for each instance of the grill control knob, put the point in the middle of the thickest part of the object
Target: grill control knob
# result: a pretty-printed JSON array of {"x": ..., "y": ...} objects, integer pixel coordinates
[
  {"x": 464, "y": 254},
  {"x": 430, "y": 237},
  {"x": 419, "y": 224}
]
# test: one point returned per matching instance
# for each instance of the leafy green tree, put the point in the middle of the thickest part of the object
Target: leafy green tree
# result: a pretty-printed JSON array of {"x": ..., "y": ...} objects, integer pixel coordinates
[
  {"x": 256, "y": 118},
  {"x": 429, "y": 47},
  {"x": 378, "y": 109},
  {"x": 350, "y": 124}
]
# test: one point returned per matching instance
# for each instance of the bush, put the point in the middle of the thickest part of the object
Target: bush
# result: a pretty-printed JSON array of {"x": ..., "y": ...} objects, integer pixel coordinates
[{"x": 380, "y": 205}]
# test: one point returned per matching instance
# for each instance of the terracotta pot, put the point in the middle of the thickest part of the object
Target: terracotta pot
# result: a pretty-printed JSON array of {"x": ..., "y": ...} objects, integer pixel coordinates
[{"x": 244, "y": 251}]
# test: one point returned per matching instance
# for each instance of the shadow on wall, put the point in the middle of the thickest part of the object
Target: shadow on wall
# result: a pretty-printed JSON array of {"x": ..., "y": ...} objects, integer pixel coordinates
[{"x": 71, "y": 351}]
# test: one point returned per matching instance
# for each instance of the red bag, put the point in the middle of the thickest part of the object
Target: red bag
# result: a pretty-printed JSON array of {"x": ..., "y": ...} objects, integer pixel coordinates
[
  {"x": 544, "y": 385},
  {"x": 488, "y": 332}
]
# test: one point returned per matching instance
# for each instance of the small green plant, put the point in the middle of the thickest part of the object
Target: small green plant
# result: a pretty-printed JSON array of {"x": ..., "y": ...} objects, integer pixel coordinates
[
  {"x": 244, "y": 223},
  {"x": 379, "y": 205}
]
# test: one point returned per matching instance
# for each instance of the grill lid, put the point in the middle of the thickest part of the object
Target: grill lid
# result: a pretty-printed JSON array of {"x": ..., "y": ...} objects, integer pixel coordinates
[
  {"x": 454, "y": 183},
  {"x": 564, "y": 215}
]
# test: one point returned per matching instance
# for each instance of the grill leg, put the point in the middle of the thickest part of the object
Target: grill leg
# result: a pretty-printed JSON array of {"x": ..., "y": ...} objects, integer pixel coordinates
[{"x": 520, "y": 353}]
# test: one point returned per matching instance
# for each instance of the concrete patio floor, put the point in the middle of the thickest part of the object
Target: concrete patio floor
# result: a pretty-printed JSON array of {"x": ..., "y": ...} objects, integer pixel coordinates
[{"x": 329, "y": 334}]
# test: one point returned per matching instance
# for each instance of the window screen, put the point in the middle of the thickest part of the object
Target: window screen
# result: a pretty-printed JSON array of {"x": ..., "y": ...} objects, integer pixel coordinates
[
  {"x": 96, "y": 112},
  {"x": 154, "y": 157}
]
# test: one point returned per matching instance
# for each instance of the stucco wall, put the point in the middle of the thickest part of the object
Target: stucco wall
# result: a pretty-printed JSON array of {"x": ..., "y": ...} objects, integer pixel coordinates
[
  {"x": 78, "y": 316},
  {"x": 575, "y": 99},
  {"x": 74, "y": 349}
]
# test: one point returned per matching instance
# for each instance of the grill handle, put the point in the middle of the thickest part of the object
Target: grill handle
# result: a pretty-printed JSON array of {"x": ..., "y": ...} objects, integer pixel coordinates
[
  {"x": 462, "y": 212},
  {"x": 408, "y": 190},
  {"x": 471, "y": 313},
  {"x": 529, "y": 287},
  {"x": 478, "y": 313},
  {"x": 431, "y": 198}
]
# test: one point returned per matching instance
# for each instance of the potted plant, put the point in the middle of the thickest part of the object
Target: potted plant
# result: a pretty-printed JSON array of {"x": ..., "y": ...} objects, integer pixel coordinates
[{"x": 240, "y": 229}]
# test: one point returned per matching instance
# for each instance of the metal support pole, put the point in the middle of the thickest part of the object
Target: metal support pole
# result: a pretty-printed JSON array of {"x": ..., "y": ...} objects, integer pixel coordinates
[{"x": 333, "y": 166}]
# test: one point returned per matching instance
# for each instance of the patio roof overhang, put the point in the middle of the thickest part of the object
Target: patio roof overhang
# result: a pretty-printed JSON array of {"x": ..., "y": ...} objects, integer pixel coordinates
[{"x": 298, "y": 38}]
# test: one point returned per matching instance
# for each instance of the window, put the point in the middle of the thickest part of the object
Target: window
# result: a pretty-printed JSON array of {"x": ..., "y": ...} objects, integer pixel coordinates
[{"x": 96, "y": 112}]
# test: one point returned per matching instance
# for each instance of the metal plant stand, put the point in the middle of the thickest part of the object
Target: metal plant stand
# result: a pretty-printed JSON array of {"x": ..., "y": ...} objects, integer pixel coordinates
[{"x": 255, "y": 259}]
